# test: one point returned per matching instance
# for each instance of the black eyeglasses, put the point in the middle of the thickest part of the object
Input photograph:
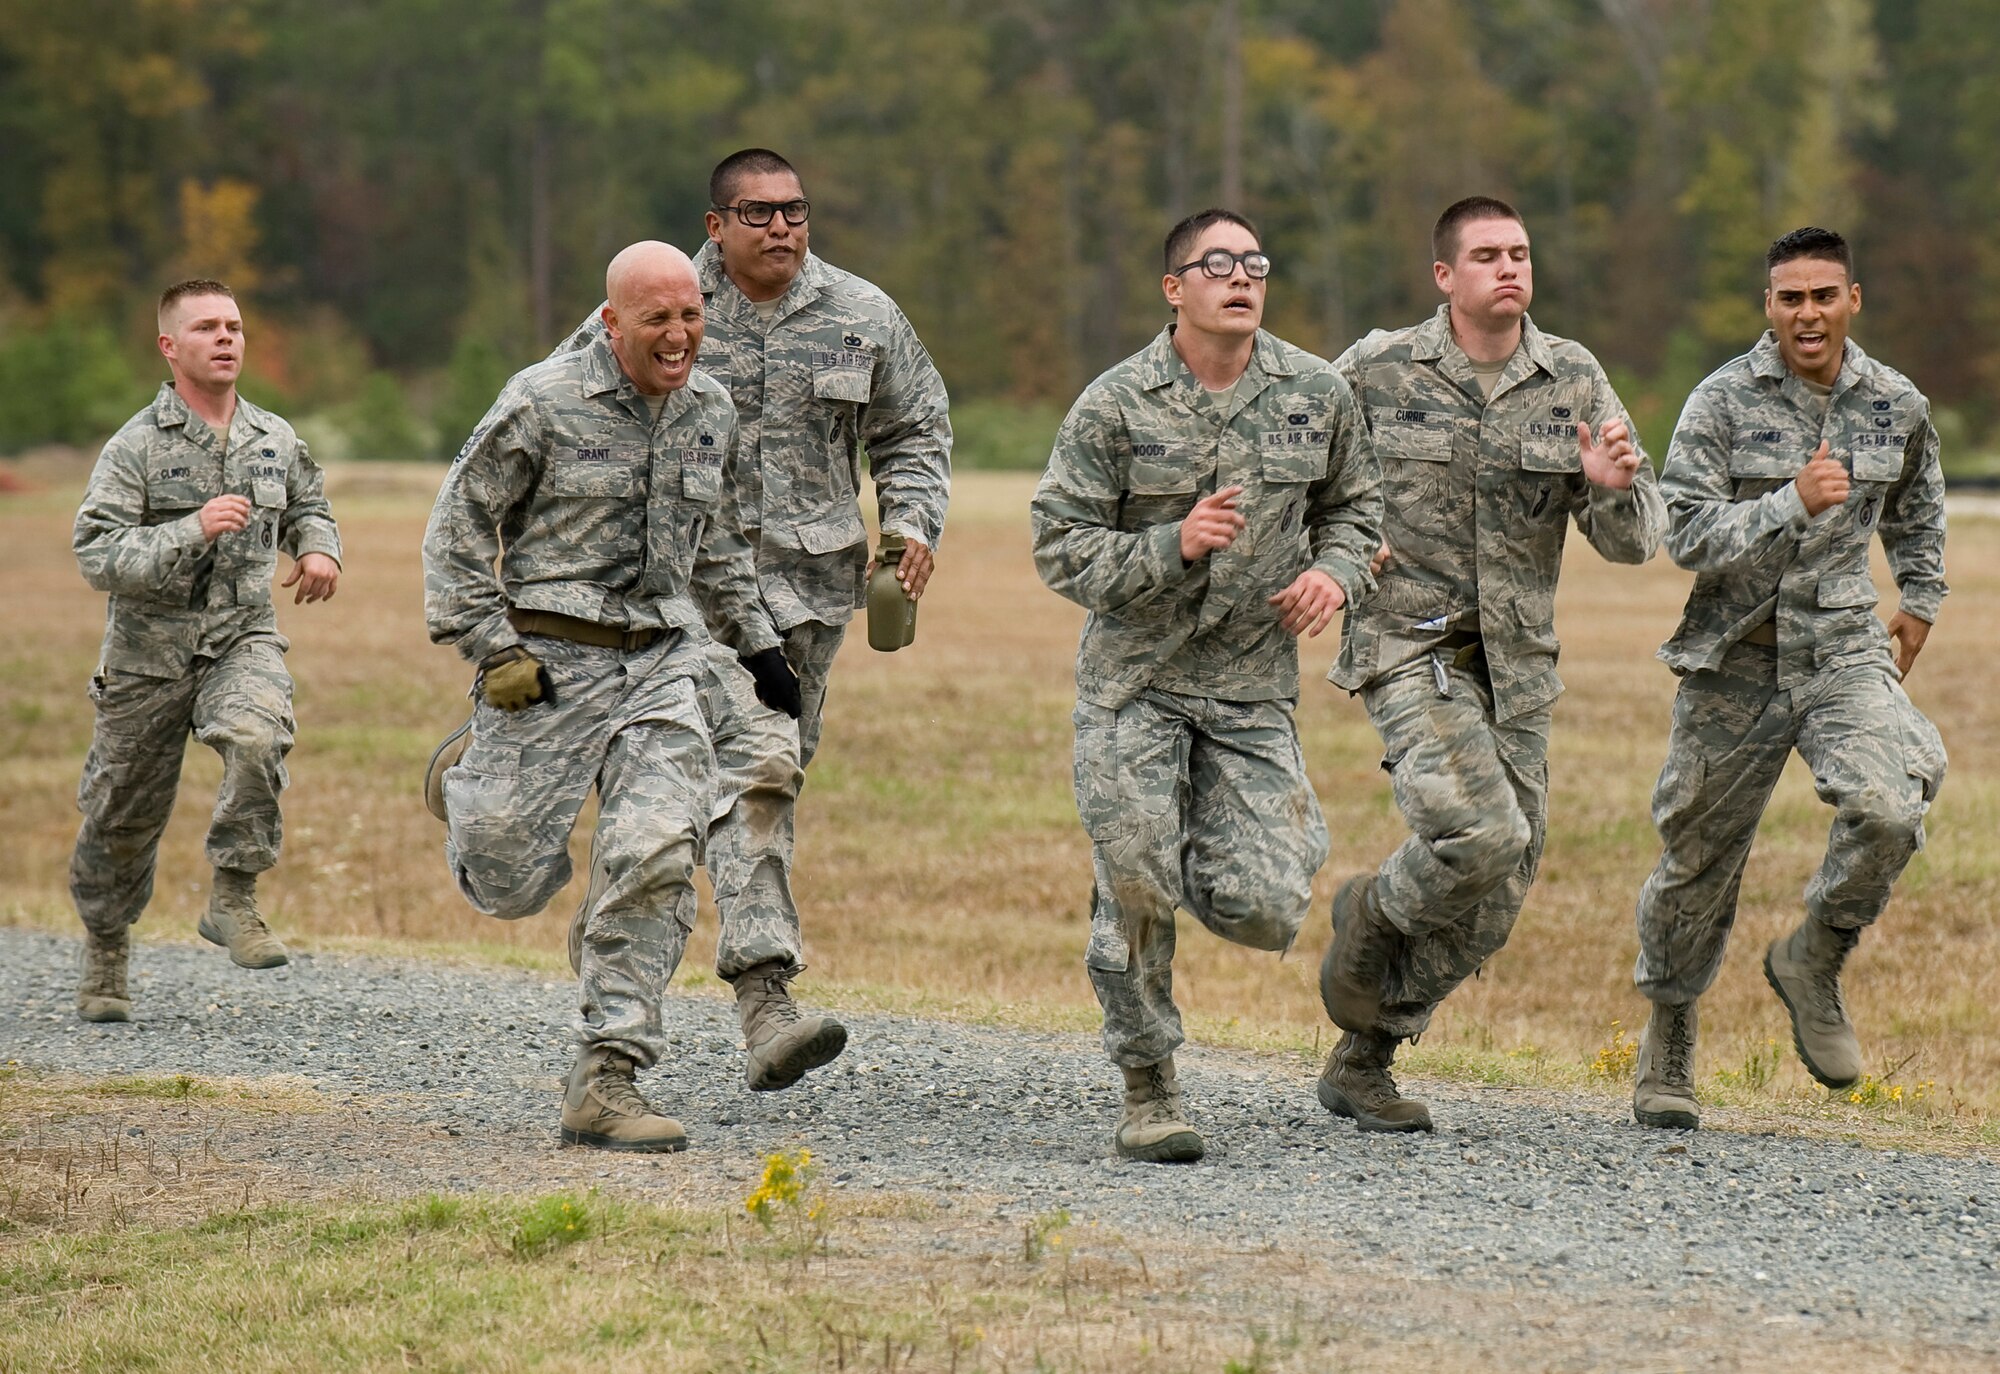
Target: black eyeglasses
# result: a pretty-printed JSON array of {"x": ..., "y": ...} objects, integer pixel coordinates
[
  {"x": 1221, "y": 263},
  {"x": 757, "y": 213}
]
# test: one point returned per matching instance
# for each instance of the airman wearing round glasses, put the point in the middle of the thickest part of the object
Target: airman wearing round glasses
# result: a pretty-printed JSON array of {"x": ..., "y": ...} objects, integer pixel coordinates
[
  {"x": 822, "y": 366},
  {"x": 1209, "y": 499}
]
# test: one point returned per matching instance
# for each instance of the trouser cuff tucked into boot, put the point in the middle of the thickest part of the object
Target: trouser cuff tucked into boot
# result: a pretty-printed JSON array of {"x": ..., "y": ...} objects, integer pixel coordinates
[
  {"x": 781, "y": 1043},
  {"x": 1357, "y": 1084},
  {"x": 233, "y": 921},
  {"x": 1152, "y": 1127}
]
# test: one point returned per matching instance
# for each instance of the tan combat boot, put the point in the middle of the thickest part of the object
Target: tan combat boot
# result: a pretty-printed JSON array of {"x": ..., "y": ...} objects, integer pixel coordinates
[
  {"x": 1663, "y": 1086},
  {"x": 603, "y": 1108},
  {"x": 1804, "y": 970},
  {"x": 1151, "y": 1127},
  {"x": 783, "y": 1043},
  {"x": 232, "y": 922},
  {"x": 1357, "y": 1083},
  {"x": 100, "y": 992},
  {"x": 1356, "y": 964},
  {"x": 443, "y": 757}
]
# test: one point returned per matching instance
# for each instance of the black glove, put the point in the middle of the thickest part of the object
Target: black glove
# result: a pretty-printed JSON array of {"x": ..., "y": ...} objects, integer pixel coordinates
[
  {"x": 777, "y": 684},
  {"x": 514, "y": 679}
]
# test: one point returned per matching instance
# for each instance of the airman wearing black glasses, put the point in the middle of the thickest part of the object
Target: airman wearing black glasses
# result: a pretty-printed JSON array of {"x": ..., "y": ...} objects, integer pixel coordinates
[
  {"x": 1210, "y": 499},
  {"x": 1493, "y": 437},
  {"x": 822, "y": 366}
]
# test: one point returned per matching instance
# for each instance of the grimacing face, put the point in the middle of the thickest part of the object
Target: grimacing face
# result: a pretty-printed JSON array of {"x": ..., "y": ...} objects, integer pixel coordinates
[
  {"x": 1811, "y": 306},
  {"x": 1231, "y": 306},
  {"x": 656, "y": 330},
  {"x": 761, "y": 260},
  {"x": 202, "y": 339},
  {"x": 1491, "y": 279}
]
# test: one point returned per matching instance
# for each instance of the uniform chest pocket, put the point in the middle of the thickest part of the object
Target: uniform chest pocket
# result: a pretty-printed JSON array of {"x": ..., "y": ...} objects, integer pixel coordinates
[
  {"x": 610, "y": 472},
  {"x": 268, "y": 492},
  {"x": 1294, "y": 455},
  {"x": 1404, "y": 441},
  {"x": 1753, "y": 457},
  {"x": 848, "y": 384},
  {"x": 1550, "y": 448},
  {"x": 1156, "y": 489},
  {"x": 1879, "y": 463},
  {"x": 701, "y": 473},
  {"x": 174, "y": 496}
]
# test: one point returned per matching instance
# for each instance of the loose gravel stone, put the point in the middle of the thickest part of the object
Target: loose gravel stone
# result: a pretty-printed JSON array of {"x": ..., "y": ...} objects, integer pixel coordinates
[{"x": 1509, "y": 1192}]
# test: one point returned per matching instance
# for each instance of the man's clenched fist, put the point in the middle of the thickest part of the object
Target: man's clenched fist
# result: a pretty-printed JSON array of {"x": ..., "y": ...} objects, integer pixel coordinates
[
  {"x": 1822, "y": 482},
  {"x": 1213, "y": 524}
]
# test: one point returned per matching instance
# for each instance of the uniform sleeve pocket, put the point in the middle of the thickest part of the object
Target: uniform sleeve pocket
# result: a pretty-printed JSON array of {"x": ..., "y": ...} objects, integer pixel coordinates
[{"x": 1847, "y": 589}]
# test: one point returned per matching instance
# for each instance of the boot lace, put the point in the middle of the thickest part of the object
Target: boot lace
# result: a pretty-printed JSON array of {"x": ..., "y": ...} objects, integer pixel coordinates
[
  {"x": 616, "y": 1089},
  {"x": 1369, "y": 1074},
  {"x": 773, "y": 1006},
  {"x": 1162, "y": 1102},
  {"x": 1676, "y": 1064},
  {"x": 1826, "y": 978}
]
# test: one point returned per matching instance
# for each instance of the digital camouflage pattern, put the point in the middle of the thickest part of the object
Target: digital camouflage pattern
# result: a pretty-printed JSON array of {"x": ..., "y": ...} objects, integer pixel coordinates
[
  {"x": 1739, "y": 524},
  {"x": 1479, "y": 493},
  {"x": 1829, "y": 687},
  {"x": 750, "y": 834},
  {"x": 630, "y": 724},
  {"x": 1138, "y": 448},
  {"x": 836, "y": 371},
  {"x": 1874, "y": 758},
  {"x": 191, "y": 641},
  {"x": 238, "y": 704},
  {"x": 1189, "y": 777},
  {"x": 810, "y": 647},
  {"x": 592, "y": 509},
  {"x": 1195, "y": 803},
  {"x": 1474, "y": 791},
  {"x": 138, "y": 537}
]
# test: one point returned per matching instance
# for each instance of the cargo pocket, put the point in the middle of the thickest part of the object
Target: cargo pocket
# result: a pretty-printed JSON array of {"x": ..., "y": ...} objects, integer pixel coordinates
[
  {"x": 1108, "y": 949},
  {"x": 1096, "y": 771},
  {"x": 1923, "y": 758},
  {"x": 1679, "y": 806}
]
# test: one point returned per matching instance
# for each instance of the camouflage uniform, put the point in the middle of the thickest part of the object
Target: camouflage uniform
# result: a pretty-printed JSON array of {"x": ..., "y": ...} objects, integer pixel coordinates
[
  {"x": 1189, "y": 777},
  {"x": 1828, "y": 686},
  {"x": 191, "y": 641},
  {"x": 1455, "y": 655},
  {"x": 835, "y": 371},
  {"x": 593, "y": 509},
  {"x": 836, "y": 368}
]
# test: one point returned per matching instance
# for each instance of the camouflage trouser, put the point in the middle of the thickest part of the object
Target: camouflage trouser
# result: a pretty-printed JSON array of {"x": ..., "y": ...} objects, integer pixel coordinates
[
  {"x": 1873, "y": 756},
  {"x": 1196, "y": 803},
  {"x": 750, "y": 833},
  {"x": 810, "y": 647},
  {"x": 239, "y": 705},
  {"x": 1474, "y": 791},
  {"x": 630, "y": 724}
]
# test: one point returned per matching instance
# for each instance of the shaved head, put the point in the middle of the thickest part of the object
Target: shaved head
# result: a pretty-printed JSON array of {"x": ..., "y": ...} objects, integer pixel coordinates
[
  {"x": 645, "y": 267},
  {"x": 654, "y": 313}
]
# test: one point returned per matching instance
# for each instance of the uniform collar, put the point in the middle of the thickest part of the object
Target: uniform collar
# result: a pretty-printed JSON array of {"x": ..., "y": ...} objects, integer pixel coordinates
[
  {"x": 1434, "y": 341},
  {"x": 171, "y": 412},
  {"x": 602, "y": 376},
  {"x": 1768, "y": 363},
  {"x": 804, "y": 290},
  {"x": 1160, "y": 366}
]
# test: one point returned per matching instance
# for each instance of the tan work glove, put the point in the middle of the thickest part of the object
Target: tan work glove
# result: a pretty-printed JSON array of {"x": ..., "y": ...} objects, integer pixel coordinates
[{"x": 513, "y": 679}]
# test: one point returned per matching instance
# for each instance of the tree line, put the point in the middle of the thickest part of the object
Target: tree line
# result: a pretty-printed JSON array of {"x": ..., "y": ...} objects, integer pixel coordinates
[{"x": 415, "y": 198}]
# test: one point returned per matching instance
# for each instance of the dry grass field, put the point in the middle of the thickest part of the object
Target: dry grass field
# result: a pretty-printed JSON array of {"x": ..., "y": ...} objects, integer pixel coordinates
[{"x": 941, "y": 866}]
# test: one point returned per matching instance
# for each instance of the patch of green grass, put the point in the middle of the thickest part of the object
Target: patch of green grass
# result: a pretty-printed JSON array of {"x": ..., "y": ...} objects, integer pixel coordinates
[{"x": 549, "y": 1223}]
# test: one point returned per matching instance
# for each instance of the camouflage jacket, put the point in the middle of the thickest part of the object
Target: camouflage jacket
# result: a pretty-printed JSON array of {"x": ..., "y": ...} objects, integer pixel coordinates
[
  {"x": 1738, "y": 522},
  {"x": 1141, "y": 444},
  {"x": 1478, "y": 496},
  {"x": 838, "y": 369},
  {"x": 174, "y": 595},
  {"x": 593, "y": 509}
]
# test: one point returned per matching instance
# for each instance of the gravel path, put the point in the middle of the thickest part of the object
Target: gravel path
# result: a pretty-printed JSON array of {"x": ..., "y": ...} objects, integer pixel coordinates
[{"x": 1511, "y": 1193}]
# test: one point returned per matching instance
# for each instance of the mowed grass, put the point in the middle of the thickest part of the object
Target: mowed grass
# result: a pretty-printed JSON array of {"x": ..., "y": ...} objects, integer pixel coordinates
[{"x": 941, "y": 866}]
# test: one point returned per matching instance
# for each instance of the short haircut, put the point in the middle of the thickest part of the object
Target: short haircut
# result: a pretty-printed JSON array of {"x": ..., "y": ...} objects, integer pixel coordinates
[
  {"x": 1811, "y": 242},
  {"x": 1444, "y": 234},
  {"x": 746, "y": 162},
  {"x": 181, "y": 290},
  {"x": 1180, "y": 238}
]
